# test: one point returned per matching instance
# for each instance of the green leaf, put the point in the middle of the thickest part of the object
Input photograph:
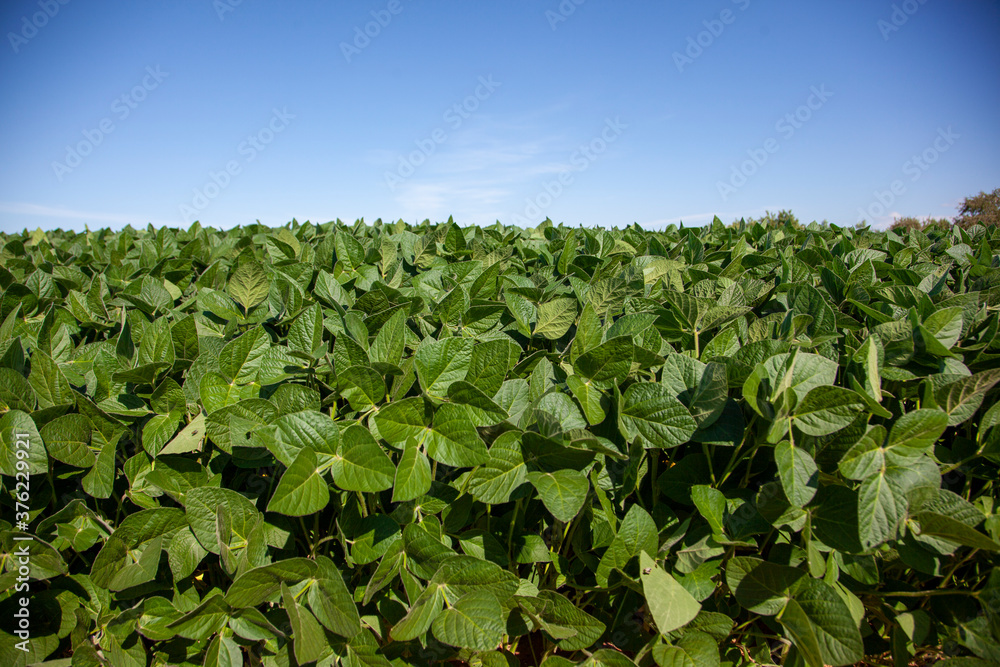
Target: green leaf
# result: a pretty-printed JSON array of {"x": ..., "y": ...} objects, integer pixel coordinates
[
  {"x": 362, "y": 386},
  {"x": 650, "y": 411},
  {"x": 482, "y": 409},
  {"x": 474, "y": 622},
  {"x": 820, "y": 625},
  {"x": 331, "y": 602},
  {"x": 826, "y": 410},
  {"x": 636, "y": 533},
  {"x": 241, "y": 357},
  {"x": 711, "y": 503},
  {"x": 798, "y": 473},
  {"x": 945, "y": 325},
  {"x": 301, "y": 490},
  {"x": 190, "y": 439},
  {"x": 961, "y": 398},
  {"x": 938, "y": 525},
  {"x": 50, "y": 384},
  {"x": 916, "y": 432},
  {"x": 694, "y": 649},
  {"x": 760, "y": 586},
  {"x": 439, "y": 363},
  {"x": 590, "y": 399},
  {"x": 563, "y": 492},
  {"x": 671, "y": 606},
  {"x": 249, "y": 284},
  {"x": 555, "y": 318},
  {"x": 361, "y": 464},
  {"x": 453, "y": 439},
  {"x": 881, "y": 509},
  {"x": 67, "y": 438},
  {"x": 308, "y": 639},
  {"x": 495, "y": 480},
  {"x": 609, "y": 360},
  {"x": 413, "y": 474},
  {"x": 20, "y": 441}
]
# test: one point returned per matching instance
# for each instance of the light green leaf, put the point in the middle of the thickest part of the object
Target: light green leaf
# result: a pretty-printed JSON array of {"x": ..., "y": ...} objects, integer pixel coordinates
[
  {"x": 820, "y": 625},
  {"x": 474, "y": 622},
  {"x": 826, "y": 410},
  {"x": 669, "y": 603},
  {"x": 249, "y": 284},
  {"x": 362, "y": 465},
  {"x": 563, "y": 492},
  {"x": 413, "y": 474},
  {"x": 609, "y": 360},
  {"x": 555, "y": 318},
  {"x": 301, "y": 490},
  {"x": 651, "y": 411},
  {"x": 439, "y": 363},
  {"x": 798, "y": 472},
  {"x": 453, "y": 439}
]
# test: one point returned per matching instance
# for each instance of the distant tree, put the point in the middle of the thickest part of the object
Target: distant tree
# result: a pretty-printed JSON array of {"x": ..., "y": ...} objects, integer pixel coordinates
[
  {"x": 779, "y": 219},
  {"x": 906, "y": 223},
  {"x": 982, "y": 209}
]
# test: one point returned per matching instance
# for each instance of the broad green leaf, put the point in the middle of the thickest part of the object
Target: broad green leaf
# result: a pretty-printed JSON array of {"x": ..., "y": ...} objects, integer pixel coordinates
[
  {"x": 413, "y": 474},
  {"x": 495, "y": 480},
  {"x": 881, "y": 509},
  {"x": 671, "y": 606},
  {"x": 362, "y": 386},
  {"x": 798, "y": 473},
  {"x": 241, "y": 357},
  {"x": 636, "y": 533},
  {"x": 439, "y": 363},
  {"x": 820, "y": 625},
  {"x": 67, "y": 438},
  {"x": 361, "y": 464},
  {"x": 20, "y": 441},
  {"x": 826, "y": 410},
  {"x": 607, "y": 361},
  {"x": 761, "y": 586},
  {"x": 555, "y": 318},
  {"x": 301, "y": 490},
  {"x": 474, "y": 622},
  {"x": 650, "y": 411},
  {"x": 249, "y": 284},
  {"x": 563, "y": 492},
  {"x": 308, "y": 638},
  {"x": 453, "y": 440},
  {"x": 694, "y": 649},
  {"x": 916, "y": 432},
  {"x": 938, "y": 525},
  {"x": 49, "y": 382},
  {"x": 331, "y": 602}
]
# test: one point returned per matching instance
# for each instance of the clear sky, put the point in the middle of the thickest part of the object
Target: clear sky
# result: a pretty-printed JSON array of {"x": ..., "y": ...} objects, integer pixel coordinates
[{"x": 590, "y": 112}]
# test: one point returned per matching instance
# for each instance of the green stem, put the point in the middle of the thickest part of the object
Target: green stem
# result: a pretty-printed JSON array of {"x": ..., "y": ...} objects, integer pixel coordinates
[{"x": 708, "y": 456}]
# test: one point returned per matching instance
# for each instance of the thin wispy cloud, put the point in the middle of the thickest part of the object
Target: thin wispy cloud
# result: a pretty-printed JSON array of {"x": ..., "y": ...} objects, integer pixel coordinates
[{"x": 37, "y": 210}]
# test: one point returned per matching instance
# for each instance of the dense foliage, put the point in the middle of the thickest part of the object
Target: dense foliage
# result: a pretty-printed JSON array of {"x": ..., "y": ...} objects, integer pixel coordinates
[{"x": 392, "y": 444}]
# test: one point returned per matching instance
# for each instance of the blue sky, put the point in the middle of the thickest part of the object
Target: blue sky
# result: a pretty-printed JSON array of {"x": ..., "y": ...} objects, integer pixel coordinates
[{"x": 588, "y": 112}]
